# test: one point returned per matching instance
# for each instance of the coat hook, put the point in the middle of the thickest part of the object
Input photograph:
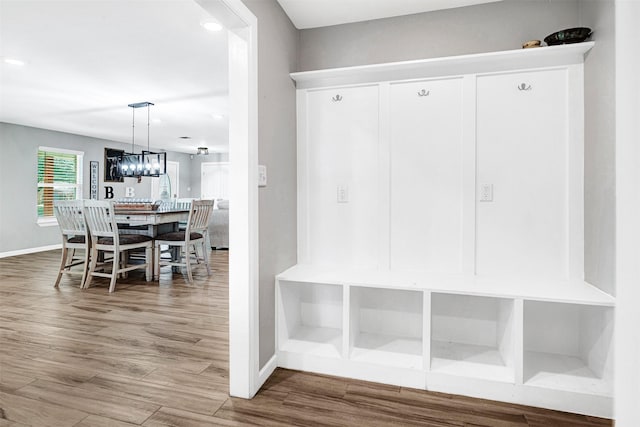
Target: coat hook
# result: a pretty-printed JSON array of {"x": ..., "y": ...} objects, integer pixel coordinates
[
  {"x": 524, "y": 86},
  {"x": 337, "y": 98},
  {"x": 424, "y": 92}
]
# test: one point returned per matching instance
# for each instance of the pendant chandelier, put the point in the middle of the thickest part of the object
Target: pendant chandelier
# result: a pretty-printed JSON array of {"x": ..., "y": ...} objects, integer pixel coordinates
[{"x": 146, "y": 163}]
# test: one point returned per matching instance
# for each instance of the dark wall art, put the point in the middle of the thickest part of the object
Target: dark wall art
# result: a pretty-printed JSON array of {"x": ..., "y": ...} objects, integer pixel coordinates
[{"x": 111, "y": 164}]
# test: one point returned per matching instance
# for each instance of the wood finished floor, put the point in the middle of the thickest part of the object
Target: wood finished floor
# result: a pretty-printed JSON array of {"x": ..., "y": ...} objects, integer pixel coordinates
[{"x": 157, "y": 355}]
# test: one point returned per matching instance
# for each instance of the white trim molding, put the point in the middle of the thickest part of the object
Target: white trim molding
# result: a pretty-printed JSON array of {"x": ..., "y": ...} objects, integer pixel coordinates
[
  {"x": 627, "y": 334},
  {"x": 519, "y": 59},
  {"x": 243, "y": 222},
  {"x": 267, "y": 370},
  {"x": 30, "y": 250}
]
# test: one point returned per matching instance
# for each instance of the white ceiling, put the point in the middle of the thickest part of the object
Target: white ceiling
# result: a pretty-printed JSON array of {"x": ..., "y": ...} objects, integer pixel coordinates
[
  {"x": 87, "y": 60},
  {"x": 322, "y": 13}
]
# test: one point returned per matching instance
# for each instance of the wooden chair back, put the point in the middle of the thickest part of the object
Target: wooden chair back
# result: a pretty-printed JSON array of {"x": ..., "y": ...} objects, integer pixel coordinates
[
  {"x": 69, "y": 214},
  {"x": 100, "y": 218},
  {"x": 199, "y": 216}
]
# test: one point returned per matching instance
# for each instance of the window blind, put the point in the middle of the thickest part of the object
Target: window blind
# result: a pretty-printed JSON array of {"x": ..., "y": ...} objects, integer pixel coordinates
[{"x": 57, "y": 179}]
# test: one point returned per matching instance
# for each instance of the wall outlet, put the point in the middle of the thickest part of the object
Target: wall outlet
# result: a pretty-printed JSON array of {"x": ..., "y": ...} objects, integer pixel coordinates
[
  {"x": 343, "y": 194},
  {"x": 486, "y": 192},
  {"x": 262, "y": 176}
]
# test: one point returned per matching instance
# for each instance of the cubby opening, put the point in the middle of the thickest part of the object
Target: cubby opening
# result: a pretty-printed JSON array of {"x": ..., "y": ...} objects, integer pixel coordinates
[
  {"x": 568, "y": 347},
  {"x": 473, "y": 336},
  {"x": 311, "y": 318},
  {"x": 386, "y": 327}
]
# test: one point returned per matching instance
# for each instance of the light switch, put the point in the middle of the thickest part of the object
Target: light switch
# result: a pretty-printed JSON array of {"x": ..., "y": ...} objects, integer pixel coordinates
[
  {"x": 343, "y": 194},
  {"x": 486, "y": 192},
  {"x": 262, "y": 176}
]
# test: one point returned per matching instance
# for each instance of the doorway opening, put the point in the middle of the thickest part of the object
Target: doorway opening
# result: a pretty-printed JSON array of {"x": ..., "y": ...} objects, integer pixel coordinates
[{"x": 214, "y": 184}]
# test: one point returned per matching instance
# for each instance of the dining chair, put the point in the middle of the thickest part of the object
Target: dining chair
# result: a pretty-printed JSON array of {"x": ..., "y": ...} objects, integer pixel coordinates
[
  {"x": 183, "y": 204},
  {"x": 69, "y": 214},
  {"x": 105, "y": 237},
  {"x": 194, "y": 236}
]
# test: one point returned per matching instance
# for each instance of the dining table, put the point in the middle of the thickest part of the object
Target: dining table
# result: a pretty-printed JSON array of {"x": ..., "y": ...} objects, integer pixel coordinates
[{"x": 151, "y": 223}]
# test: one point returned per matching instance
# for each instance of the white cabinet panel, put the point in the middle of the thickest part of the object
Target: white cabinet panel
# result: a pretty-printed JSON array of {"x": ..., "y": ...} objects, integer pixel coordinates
[
  {"x": 342, "y": 176},
  {"x": 522, "y": 145},
  {"x": 426, "y": 125}
]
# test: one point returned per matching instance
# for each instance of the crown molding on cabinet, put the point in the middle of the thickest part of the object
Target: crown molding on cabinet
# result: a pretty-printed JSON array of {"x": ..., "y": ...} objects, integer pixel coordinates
[{"x": 491, "y": 62}]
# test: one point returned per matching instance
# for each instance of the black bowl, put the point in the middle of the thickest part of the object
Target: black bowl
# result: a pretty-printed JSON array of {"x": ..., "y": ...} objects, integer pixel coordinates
[{"x": 570, "y": 35}]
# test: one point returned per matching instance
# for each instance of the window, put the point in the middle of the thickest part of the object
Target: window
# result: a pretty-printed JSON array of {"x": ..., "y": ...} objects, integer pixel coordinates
[{"x": 59, "y": 178}]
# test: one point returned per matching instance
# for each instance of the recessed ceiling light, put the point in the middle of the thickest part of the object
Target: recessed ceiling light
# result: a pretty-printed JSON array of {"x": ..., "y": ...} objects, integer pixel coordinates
[
  {"x": 13, "y": 61},
  {"x": 217, "y": 116},
  {"x": 211, "y": 26}
]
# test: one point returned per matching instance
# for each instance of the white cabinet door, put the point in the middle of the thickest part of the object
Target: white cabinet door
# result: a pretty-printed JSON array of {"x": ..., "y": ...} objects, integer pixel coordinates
[
  {"x": 342, "y": 201},
  {"x": 522, "y": 156},
  {"x": 426, "y": 125}
]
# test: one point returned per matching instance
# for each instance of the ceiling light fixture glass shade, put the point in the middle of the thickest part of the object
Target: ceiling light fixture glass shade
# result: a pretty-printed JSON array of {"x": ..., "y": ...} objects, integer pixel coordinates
[
  {"x": 211, "y": 26},
  {"x": 14, "y": 61},
  {"x": 147, "y": 163},
  {"x": 203, "y": 151}
]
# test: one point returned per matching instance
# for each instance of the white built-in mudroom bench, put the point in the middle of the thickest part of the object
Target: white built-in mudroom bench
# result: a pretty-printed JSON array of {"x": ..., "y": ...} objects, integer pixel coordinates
[{"x": 441, "y": 231}]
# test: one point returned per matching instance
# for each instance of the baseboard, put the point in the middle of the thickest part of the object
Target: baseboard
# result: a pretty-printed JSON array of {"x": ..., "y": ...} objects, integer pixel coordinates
[
  {"x": 30, "y": 250},
  {"x": 267, "y": 370}
]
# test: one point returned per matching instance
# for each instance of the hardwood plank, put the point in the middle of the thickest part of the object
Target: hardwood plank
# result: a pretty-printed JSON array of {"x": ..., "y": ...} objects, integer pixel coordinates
[
  {"x": 176, "y": 377},
  {"x": 11, "y": 379},
  {"x": 98, "y": 421},
  {"x": 35, "y": 413},
  {"x": 390, "y": 403},
  {"x": 103, "y": 364},
  {"x": 217, "y": 370},
  {"x": 291, "y": 381},
  {"x": 350, "y": 413},
  {"x": 96, "y": 402},
  {"x": 7, "y": 423},
  {"x": 167, "y": 416},
  {"x": 265, "y": 409},
  {"x": 184, "y": 397},
  {"x": 563, "y": 419}
]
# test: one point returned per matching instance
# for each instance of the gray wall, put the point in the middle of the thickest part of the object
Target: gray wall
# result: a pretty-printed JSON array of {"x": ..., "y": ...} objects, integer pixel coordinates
[
  {"x": 18, "y": 181},
  {"x": 600, "y": 137},
  {"x": 277, "y": 57},
  {"x": 489, "y": 27}
]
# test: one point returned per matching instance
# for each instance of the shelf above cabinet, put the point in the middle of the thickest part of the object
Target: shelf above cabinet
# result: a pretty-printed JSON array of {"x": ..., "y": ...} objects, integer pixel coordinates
[
  {"x": 567, "y": 291},
  {"x": 548, "y": 56}
]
